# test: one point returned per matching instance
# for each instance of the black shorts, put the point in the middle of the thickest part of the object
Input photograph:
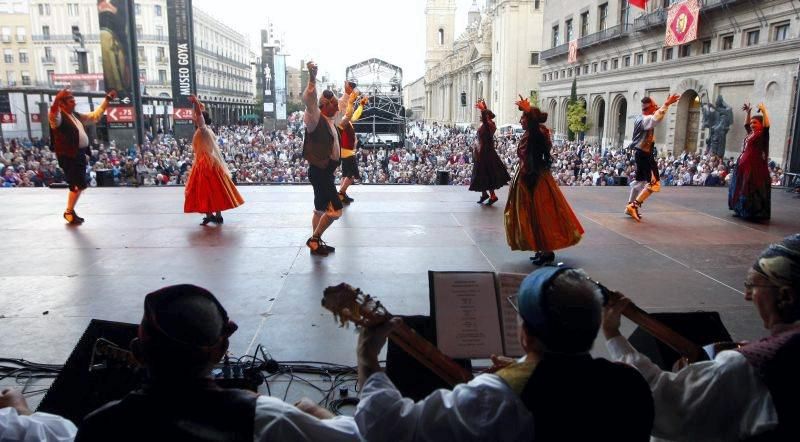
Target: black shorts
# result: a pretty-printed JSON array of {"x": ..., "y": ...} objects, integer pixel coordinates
[
  {"x": 325, "y": 193},
  {"x": 74, "y": 169},
  {"x": 350, "y": 168},
  {"x": 646, "y": 166}
]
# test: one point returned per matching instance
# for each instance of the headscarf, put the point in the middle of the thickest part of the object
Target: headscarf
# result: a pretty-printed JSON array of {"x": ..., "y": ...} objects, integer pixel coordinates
[{"x": 780, "y": 262}]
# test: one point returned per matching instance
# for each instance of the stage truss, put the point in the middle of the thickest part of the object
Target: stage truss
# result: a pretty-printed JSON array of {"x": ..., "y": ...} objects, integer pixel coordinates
[{"x": 382, "y": 83}]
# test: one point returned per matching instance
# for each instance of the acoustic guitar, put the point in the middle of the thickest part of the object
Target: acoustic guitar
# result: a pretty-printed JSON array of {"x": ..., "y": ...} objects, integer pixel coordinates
[{"x": 351, "y": 304}]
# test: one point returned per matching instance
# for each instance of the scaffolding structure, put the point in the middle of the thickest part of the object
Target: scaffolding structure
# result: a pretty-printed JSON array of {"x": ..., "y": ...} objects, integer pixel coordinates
[{"x": 384, "y": 116}]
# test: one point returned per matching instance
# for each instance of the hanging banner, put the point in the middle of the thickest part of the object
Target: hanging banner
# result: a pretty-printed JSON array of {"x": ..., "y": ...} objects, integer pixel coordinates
[
  {"x": 641, "y": 4},
  {"x": 267, "y": 76},
  {"x": 280, "y": 87},
  {"x": 181, "y": 60},
  {"x": 120, "y": 69},
  {"x": 573, "y": 52},
  {"x": 5, "y": 109},
  {"x": 682, "y": 22}
]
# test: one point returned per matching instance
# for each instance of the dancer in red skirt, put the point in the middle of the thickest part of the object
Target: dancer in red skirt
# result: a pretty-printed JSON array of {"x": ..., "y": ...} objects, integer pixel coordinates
[
  {"x": 488, "y": 171},
  {"x": 210, "y": 189}
]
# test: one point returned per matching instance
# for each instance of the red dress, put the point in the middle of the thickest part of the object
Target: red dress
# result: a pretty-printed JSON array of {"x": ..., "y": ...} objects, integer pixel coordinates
[
  {"x": 210, "y": 187},
  {"x": 750, "y": 192}
]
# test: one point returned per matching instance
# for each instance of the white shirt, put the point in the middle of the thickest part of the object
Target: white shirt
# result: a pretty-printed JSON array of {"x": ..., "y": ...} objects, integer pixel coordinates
[
  {"x": 717, "y": 400},
  {"x": 34, "y": 428},
  {"x": 275, "y": 420},
  {"x": 484, "y": 409}
]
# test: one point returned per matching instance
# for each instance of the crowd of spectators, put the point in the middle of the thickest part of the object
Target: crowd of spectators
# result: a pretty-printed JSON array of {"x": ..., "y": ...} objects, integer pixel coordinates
[{"x": 256, "y": 156}]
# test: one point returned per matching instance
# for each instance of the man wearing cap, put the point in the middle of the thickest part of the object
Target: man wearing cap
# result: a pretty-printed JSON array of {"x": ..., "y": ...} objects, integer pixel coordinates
[
  {"x": 556, "y": 392},
  {"x": 70, "y": 143},
  {"x": 183, "y": 333},
  {"x": 647, "y": 180},
  {"x": 321, "y": 147},
  {"x": 748, "y": 393}
]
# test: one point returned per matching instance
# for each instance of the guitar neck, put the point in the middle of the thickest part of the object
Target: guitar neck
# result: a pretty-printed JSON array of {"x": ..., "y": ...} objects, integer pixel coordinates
[
  {"x": 675, "y": 341},
  {"x": 428, "y": 355}
]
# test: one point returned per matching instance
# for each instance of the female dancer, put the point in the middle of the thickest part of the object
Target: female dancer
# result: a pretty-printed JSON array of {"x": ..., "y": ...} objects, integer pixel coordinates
[
  {"x": 750, "y": 191},
  {"x": 488, "y": 171},
  {"x": 209, "y": 188},
  {"x": 537, "y": 217}
]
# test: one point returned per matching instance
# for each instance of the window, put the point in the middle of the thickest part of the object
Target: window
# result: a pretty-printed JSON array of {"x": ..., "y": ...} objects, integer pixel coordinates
[
  {"x": 624, "y": 11},
  {"x": 534, "y": 59},
  {"x": 780, "y": 32},
  {"x": 615, "y": 63},
  {"x": 563, "y": 73},
  {"x": 639, "y": 58},
  {"x": 161, "y": 52},
  {"x": 158, "y": 10},
  {"x": 602, "y": 20},
  {"x": 20, "y": 34},
  {"x": 594, "y": 68},
  {"x": 6, "y": 35},
  {"x": 50, "y": 73},
  {"x": 685, "y": 51},
  {"x": 11, "y": 77},
  {"x": 726, "y": 42},
  {"x": 23, "y": 56},
  {"x": 544, "y": 77},
  {"x": 72, "y": 9},
  {"x": 556, "y": 38},
  {"x": 706, "y": 48},
  {"x": 8, "y": 56},
  {"x": 26, "y": 78},
  {"x": 160, "y": 32},
  {"x": 140, "y": 50},
  {"x": 536, "y": 4},
  {"x": 139, "y": 32},
  {"x": 652, "y": 57},
  {"x": 626, "y": 61},
  {"x": 138, "y": 8},
  {"x": 752, "y": 37},
  {"x": 46, "y": 32},
  {"x": 668, "y": 52},
  {"x": 585, "y": 69},
  {"x": 44, "y": 9},
  {"x": 604, "y": 66},
  {"x": 568, "y": 30},
  {"x": 584, "y": 24},
  {"x": 556, "y": 76},
  {"x": 577, "y": 71},
  {"x": 48, "y": 52},
  {"x": 441, "y": 36},
  {"x": 569, "y": 72},
  {"x": 550, "y": 76},
  {"x": 162, "y": 76}
]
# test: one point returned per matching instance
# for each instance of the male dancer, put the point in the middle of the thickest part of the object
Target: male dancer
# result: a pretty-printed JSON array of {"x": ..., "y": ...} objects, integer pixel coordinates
[
  {"x": 321, "y": 147},
  {"x": 348, "y": 132},
  {"x": 71, "y": 144},
  {"x": 647, "y": 181}
]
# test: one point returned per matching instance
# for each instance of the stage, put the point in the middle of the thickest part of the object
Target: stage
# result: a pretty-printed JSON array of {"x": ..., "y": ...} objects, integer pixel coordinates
[{"x": 688, "y": 254}]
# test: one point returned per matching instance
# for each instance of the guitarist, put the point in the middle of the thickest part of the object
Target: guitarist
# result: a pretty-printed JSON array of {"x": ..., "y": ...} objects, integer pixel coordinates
[
  {"x": 751, "y": 392},
  {"x": 556, "y": 392}
]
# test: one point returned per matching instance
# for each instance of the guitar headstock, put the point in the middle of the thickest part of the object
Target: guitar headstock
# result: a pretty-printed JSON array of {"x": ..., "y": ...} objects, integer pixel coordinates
[{"x": 351, "y": 304}]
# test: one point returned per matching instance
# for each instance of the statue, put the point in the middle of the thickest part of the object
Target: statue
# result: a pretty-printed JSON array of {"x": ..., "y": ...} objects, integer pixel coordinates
[{"x": 717, "y": 119}]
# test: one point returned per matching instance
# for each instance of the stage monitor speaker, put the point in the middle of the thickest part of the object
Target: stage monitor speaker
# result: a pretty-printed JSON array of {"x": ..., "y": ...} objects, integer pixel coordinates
[
  {"x": 620, "y": 180},
  {"x": 77, "y": 390},
  {"x": 443, "y": 177},
  {"x": 105, "y": 178},
  {"x": 702, "y": 328},
  {"x": 413, "y": 379}
]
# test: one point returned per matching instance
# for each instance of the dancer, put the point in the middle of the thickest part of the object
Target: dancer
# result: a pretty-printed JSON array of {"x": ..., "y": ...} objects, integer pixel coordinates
[
  {"x": 209, "y": 189},
  {"x": 71, "y": 144},
  {"x": 349, "y": 141},
  {"x": 537, "y": 216},
  {"x": 321, "y": 147},
  {"x": 647, "y": 181},
  {"x": 488, "y": 171},
  {"x": 750, "y": 191}
]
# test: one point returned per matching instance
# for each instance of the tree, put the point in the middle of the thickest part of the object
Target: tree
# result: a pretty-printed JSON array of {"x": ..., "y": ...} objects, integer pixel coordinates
[
  {"x": 534, "y": 98},
  {"x": 576, "y": 113}
]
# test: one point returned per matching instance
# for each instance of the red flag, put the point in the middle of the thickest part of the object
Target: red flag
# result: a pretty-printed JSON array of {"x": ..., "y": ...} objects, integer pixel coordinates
[
  {"x": 682, "y": 22},
  {"x": 573, "y": 52},
  {"x": 641, "y": 4}
]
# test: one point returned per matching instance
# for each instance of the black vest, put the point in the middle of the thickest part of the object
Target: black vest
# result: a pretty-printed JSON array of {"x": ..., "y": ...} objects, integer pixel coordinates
[
  {"x": 208, "y": 413},
  {"x": 577, "y": 398},
  {"x": 318, "y": 144},
  {"x": 66, "y": 137}
]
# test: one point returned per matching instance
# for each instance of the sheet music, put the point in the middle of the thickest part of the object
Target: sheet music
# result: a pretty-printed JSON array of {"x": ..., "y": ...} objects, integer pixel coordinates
[
  {"x": 467, "y": 323},
  {"x": 509, "y": 285}
]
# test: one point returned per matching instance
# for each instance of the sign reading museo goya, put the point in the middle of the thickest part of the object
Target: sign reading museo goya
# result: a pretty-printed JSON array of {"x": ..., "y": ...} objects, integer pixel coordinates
[{"x": 181, "y": 52}]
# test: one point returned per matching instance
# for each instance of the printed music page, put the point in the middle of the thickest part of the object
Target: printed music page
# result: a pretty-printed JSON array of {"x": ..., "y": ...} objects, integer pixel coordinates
[
  {"x": 509, "y": 285},
  {"x": 465, "y": 309}
]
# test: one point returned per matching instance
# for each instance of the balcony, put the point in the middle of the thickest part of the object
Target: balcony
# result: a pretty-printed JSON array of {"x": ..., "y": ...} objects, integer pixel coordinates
[
  {"x": 151, "y": 37},
  {"x": 52, "y": 37},
  {"x": 555, "y": 52},
  {"x": 651, "y": 20},
  {"x": 612, "y": 33},
  {"x": 708, "y": 5},
  {"x": 48, "y": 60}
]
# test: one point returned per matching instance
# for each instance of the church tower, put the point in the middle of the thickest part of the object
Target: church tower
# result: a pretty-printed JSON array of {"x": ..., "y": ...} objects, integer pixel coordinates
[{"x": 440, "y": 18}]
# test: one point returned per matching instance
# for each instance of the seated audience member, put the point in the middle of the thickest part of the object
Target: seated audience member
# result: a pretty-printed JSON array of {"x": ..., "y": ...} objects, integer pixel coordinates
[
  {"x": 556, "y": 392},
  {"x": 183, "y": 333},
  {"x": 18, "y": 423},
  {"x": 751, "y": 392}
]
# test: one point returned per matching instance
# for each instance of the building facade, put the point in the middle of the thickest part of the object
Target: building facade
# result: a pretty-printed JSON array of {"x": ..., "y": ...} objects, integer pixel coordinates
[
  {"x": 496, "y": 58},
  {"x": 414, "y": 98},
  {"x": 16, "y": 66},
  {"x": 745, "y": 52}
]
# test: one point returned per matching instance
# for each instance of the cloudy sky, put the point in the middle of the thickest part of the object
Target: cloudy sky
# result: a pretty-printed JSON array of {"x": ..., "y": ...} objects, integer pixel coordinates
[{"x": 338, "y": 34}]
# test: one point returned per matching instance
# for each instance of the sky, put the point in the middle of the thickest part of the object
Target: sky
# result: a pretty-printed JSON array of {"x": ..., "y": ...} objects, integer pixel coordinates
[{"x": 338, "y": 34}]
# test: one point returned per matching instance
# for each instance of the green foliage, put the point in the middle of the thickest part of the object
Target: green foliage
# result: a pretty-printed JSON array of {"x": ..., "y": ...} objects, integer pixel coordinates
[
  {"x": 576, "y": 118},
  {"x": 293, "y": 106},
  {"x": 534, "y": 98}
]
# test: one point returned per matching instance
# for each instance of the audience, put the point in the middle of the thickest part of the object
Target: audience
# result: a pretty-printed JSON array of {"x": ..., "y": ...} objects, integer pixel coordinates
[
  {"x": 751, "y": 392},
  {"x": 557, "y": 392}
]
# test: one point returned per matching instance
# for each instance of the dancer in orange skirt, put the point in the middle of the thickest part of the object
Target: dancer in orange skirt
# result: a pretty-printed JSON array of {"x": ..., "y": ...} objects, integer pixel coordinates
[
  {"x": 537, "y": 216},
  {"x": 209, "y": 189}
]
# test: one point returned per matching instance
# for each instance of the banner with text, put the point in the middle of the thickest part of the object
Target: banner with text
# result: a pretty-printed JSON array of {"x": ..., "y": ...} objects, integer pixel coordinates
[
  {"x": 268, "y": 77},
  {"x": 181, "y": 58},
  {"x": 280, "y": 87}
]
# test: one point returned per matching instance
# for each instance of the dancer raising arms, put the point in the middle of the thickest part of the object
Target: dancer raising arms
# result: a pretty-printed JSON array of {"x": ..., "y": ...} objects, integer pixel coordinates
[
  {"x": 488, "y": 171},
  {"x": 537, "y": 216},
  {"x": 349, "y": 141},
  {"x": 750, "y": 191},
  {"x": 209, "y": 189}
]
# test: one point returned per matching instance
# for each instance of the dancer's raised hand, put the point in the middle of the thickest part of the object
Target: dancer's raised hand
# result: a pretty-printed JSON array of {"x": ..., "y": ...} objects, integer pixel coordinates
[
  {"x": 312, "y": 71},
  {"x": 523, "y": 104},
  {"x": 672, "y": 99}
]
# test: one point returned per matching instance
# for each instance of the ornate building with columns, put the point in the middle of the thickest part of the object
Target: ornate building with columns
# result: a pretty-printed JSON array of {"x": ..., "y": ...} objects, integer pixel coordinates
[{"x": 496, "y": 58}]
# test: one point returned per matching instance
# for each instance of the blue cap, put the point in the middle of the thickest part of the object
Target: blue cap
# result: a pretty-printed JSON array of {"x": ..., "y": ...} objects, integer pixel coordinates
[{"x": 531, "y": 300}]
